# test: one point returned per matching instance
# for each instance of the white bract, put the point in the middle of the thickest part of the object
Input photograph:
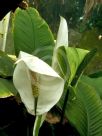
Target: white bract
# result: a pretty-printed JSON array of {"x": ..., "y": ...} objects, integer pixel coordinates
[
  {"x": 62, "y": 36},
  {"x": 39, "y": 86},
  {"x": 62, "y": 40}
]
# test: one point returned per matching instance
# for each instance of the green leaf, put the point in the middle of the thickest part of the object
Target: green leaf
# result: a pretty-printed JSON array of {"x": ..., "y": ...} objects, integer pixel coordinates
[
  {"x": 62, "y": 64},
  {"x": 32, "y": 34},
  {"x": 84, "y": 110},
  {"x": 95, "y": 82},
  {"x": 89, "y": 56},
  {"x": 69, "y": 59},
  {"x": 75, "y": 111},
  {"x": 6, "y": 65},
  {"x": 6, "y": 88}
]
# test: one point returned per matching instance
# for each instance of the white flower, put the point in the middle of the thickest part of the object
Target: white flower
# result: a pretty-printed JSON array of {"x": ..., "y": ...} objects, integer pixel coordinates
[
  {"x": 39, "y": 86},
  {"x": 62, "y": 40},
  {"x": 62, "y": 36}
]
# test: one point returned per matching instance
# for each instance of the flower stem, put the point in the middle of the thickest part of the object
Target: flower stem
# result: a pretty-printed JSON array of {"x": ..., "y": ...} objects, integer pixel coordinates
[
  {"x": 64, "y": 105},
  {"x": 37, "y": 125}
]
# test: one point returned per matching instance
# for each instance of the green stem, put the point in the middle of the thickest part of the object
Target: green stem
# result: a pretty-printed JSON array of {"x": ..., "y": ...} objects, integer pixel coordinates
[
  {"x": 37, "y": 125},
  {"x": 66, "y": 90},
  {"x": 64, "y": 106}
]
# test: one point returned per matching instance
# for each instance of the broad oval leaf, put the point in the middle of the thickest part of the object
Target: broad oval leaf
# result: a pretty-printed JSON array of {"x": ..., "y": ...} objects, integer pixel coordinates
[{"x": 32, "y": 34}]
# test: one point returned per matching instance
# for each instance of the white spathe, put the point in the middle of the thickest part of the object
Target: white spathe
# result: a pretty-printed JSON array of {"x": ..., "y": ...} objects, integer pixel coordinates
[
  {"x": 62, "y": 40},
  {"x": 62, "y": 36},
  {"x": 50, "y": 84}
]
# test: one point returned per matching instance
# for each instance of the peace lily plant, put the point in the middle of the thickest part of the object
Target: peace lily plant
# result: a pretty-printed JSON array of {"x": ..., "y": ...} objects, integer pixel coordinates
[{"x": 39, "y": 86}]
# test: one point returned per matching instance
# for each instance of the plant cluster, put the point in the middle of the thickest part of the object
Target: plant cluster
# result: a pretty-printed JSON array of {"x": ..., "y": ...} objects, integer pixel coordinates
[{"x": 47, "y": 72}]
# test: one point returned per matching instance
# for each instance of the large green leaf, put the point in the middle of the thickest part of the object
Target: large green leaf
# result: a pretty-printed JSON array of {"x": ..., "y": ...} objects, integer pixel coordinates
[
  {"x": 6, "y": 88},
  {"x": 95, "y": 82},
  {"x": 85, "y": 110},
  {"x": 32, "y": 34},
  {"x": 69, "y": 59},
  {"x": 6, "y": 65}
]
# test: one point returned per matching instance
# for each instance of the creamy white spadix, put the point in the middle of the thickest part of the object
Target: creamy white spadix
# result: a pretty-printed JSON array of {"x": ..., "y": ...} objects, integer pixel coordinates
[{"x": 39, "y": 86}]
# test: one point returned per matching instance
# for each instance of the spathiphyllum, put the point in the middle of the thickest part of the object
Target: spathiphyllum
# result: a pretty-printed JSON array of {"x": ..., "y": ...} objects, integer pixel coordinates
[{"x": 39, "y": 86}]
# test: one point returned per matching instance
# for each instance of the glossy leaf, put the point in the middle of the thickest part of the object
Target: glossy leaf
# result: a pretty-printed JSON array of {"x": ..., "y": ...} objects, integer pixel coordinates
[{"x": 32, "y": 34}]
